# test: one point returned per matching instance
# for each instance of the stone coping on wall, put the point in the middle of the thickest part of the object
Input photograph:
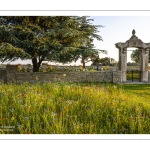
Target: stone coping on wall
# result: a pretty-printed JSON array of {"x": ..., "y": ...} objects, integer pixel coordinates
[{"x": 68, "y": 72}]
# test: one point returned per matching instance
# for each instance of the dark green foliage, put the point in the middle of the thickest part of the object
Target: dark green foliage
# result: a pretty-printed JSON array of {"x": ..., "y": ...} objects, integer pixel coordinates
[
  {"x": 85, "y": 52},
  {"x": 54, "y": 38},
  {"x": 104, "y": 61},
  {"x": 135, "y": 56}
]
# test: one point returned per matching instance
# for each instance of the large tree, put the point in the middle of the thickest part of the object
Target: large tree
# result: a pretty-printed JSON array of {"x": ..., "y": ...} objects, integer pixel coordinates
[
  {"x": 55, "y": 38},
  {"x": 39, "y": 38},
  {"x": 87, "y": 51}
]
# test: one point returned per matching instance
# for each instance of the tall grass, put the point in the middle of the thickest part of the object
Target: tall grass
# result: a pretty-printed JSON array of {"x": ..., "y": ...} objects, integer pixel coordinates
[{"x": 63, "y": 108}]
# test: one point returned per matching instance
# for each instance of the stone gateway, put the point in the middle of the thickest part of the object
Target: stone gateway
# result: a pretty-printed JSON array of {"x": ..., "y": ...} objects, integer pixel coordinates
[{"x": 134, "y": 41}]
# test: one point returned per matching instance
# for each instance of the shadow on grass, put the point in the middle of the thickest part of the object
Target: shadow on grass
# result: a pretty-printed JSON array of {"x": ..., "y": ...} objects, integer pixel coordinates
[
  {"x": 142, "y": 90},
  {"x": 136, "y": 86},
  {"x": 138, "y": 89}
]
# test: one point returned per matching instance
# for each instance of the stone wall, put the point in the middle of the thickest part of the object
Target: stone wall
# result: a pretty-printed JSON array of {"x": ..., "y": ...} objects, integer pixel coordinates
[
  {"x": 99, "y": 76},
  {"x": 11, "y": 71},
  {"x": 3, "y": 78},
  {"x": 11, "y": 74}
]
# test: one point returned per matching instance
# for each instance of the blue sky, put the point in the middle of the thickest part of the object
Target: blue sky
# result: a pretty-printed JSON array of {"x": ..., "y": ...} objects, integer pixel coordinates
[
  {"x": 119, "y": 29},
  {"x": 116, "y": 29}
]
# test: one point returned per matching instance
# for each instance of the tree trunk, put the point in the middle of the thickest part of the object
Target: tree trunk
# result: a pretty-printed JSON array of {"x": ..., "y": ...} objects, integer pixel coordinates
[
  {"x": 83, "y": 64},
  {"x": 35, "y": 65}
]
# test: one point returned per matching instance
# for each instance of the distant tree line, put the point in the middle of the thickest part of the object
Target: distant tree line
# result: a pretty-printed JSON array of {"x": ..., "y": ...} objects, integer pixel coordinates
[
  {"x": 132, "y": 64},
  {"x": 106, "y": 61}
]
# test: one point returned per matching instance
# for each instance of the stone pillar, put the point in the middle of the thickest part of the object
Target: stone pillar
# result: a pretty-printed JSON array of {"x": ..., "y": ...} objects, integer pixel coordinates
[
  {"x": 116, "y": 76},
  {"x": 11, "y": 71},
  {"x": 119, "y": 63},
  {"x": 123, "y": 63},
  {"x": 144, "y": 56}
]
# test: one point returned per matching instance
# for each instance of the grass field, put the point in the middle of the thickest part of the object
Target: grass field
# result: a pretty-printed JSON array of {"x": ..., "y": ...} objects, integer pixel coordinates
[{"x": 74, "y": 108}]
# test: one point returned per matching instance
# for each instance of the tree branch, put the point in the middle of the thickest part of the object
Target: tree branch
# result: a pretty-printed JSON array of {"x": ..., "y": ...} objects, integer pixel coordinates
[{"x": 88, "y": 60}]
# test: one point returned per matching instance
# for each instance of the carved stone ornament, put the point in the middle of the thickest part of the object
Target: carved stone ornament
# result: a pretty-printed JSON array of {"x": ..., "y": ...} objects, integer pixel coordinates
[
  {"x": 134, "y": 41},
  {"x": 133, "y": 32}
]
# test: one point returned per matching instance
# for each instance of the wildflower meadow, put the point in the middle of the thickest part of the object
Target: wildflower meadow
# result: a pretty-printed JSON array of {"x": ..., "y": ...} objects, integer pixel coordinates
[{"x": 74, "y": 108}]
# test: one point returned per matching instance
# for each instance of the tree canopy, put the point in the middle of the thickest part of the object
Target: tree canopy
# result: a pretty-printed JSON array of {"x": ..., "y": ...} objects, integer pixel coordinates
[
  {"x": 55, "y": 38},
  {"x": 87, "y": 51}
]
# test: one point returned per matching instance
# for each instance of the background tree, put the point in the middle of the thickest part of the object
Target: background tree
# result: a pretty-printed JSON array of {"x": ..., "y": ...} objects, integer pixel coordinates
[
  {"x": 135, "y": 56},
  {"x": 88, "y": 55},
  {"x": 87, "y": 52},
  {"x": 96, "y": 62},
  {"x": 113, "y": 62},
  {"x": 104, "y": 61}
]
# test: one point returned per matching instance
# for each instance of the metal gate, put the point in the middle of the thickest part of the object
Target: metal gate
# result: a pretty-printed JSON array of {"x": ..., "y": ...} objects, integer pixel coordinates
[{"x": 133, "y": 75}]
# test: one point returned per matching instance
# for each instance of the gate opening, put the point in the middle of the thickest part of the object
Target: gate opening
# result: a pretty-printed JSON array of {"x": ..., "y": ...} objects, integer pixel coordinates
[
  {"x": 144, "y": 48},
  {"x": 133, "y": 73}
]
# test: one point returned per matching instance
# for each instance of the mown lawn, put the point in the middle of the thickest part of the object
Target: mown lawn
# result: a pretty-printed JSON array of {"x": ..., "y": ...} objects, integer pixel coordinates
[
  {"x": 141, "y": 90},
  {"x": 74, "y": 108}
]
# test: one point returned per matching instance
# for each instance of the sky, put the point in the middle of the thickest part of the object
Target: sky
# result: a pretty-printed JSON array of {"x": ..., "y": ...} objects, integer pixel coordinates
[
  {"x": 119, "y": 29},
  {"x": 116, "y": 29}
]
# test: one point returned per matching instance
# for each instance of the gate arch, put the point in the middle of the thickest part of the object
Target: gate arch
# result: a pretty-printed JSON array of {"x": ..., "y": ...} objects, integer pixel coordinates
[{"x": 134, "y": 41}]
